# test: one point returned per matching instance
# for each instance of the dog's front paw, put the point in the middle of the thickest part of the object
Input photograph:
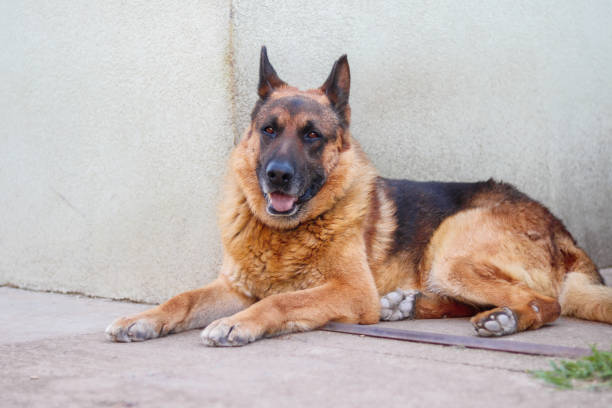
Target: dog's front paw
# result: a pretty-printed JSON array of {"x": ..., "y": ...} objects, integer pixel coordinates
[
  {"x": 127, "y": 329},
  {"x": 398, "y": 305},
  {"x": 228, "y": 332},
  {"x": 497, "y": 322}
]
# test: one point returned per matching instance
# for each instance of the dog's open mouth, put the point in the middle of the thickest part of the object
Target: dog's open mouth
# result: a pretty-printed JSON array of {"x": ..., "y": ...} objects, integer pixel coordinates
[{"x": 282, "y": 204}]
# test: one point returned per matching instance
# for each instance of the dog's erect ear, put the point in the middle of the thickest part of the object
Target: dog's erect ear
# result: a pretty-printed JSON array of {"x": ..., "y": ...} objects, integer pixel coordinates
[
  {"x": 268, "y": 79},
  {"x": 338, "y": 85}
]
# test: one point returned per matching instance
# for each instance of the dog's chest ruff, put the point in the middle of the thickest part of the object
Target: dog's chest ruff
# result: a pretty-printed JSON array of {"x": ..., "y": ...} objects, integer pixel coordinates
[{"x": 265, "y": 261}]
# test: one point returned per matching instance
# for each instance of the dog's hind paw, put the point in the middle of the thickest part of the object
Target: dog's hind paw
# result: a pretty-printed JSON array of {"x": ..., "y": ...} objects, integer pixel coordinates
[
  {"x": 398, "y": 305},
  {"x": 497, "y": 322}
]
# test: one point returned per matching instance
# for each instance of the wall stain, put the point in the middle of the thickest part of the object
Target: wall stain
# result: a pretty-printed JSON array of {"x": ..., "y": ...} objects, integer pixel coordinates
[{"x": 68, "y": 203}]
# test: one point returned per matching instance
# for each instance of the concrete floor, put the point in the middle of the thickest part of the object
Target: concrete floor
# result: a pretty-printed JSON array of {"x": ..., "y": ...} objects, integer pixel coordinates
[{"x": 53, "y": 353}]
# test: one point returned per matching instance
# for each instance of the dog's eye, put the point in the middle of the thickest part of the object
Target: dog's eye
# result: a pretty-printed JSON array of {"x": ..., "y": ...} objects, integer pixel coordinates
[
  {"x": 269, "y": 130},
  {"x": 312, "y": 135}
]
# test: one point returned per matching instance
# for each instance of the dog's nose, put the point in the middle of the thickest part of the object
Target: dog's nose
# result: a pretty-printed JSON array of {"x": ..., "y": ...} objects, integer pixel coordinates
[{"x": 279, "y": 172}]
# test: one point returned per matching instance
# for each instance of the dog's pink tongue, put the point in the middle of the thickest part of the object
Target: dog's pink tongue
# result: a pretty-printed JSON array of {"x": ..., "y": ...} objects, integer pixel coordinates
[{"x": 282, "y": 202}]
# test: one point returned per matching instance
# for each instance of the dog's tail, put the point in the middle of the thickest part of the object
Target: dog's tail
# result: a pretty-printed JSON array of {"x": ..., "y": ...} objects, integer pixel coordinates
[{"x": 583, "y": 294}]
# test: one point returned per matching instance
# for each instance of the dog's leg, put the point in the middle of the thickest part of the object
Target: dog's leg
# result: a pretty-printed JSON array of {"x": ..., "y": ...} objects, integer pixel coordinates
[
  {"x": 518, "y": 307},
  {"x": 189, "y": 310},
  {"x": 295, "y": 311},
  {"x": 413, "y": 304}
]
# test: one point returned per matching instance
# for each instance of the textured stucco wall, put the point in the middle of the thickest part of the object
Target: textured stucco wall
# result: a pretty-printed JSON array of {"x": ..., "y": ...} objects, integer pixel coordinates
[
  {"x": 115, "y": 128},
  {"x": 117, "y": 117}
]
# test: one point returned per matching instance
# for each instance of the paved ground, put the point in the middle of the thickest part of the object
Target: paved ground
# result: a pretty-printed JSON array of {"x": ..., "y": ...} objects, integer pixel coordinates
[{"x": 53, "y": 353}]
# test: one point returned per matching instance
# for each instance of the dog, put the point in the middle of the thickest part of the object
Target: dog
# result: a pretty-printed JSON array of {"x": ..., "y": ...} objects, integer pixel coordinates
[{"x": 312, "y": 234}]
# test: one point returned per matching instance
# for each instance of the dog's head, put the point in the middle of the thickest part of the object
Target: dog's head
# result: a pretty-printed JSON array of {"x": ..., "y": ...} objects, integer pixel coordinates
[{"x": 295, "y": 140}]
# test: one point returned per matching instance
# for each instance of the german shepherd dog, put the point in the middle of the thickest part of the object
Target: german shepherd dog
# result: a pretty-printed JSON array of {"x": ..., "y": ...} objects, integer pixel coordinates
[{"x": 312, "y": 234}]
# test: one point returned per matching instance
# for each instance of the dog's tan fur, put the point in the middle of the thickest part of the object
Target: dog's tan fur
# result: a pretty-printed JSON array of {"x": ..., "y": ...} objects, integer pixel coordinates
[{"x": 334, "y": 260}]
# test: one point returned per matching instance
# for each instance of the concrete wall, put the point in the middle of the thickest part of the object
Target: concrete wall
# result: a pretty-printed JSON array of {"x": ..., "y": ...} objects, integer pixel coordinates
[{"x": 117, "y": 118}]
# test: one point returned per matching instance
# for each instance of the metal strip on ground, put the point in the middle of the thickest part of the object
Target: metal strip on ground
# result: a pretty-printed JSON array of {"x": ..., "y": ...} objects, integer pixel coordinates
[{"x": 464, "y": 341}]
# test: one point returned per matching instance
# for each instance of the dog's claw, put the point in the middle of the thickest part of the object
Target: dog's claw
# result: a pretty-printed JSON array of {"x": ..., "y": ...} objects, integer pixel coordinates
[
  {"x": 224, "y": 333},
  {"x": 125, "y": 330}
]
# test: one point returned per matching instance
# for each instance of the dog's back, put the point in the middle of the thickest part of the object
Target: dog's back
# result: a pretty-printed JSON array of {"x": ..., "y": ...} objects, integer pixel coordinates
[
  {"x": 476, "y": 243},
  {"x": 422, "y": 206}
]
